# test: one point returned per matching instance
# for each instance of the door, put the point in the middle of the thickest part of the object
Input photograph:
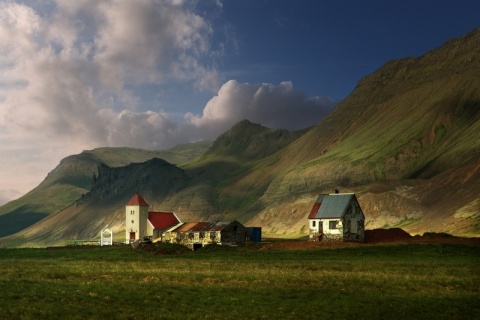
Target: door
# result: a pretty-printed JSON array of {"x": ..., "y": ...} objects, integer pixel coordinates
[{"x": 132, "y": 236}]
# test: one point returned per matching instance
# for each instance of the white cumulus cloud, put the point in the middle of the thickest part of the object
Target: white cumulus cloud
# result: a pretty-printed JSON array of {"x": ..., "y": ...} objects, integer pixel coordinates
[
  {"x": 69, "y": 77},
  {"x": 273, "y": 106}
]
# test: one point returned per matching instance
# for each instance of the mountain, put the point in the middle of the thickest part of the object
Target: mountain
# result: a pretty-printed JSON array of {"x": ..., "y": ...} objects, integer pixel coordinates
[
  {"x": 191, "y": 190},
  {"x": 104, "y": 205},
  {"x": 406, "y": 141},
  {"x": 73, "y": 177}
]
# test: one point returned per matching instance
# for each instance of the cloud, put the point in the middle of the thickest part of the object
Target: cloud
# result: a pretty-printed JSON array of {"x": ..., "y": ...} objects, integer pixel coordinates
[
  {"x": 273, "y": 106},
  {"x": 69, "y": 75},
  {"x": 7, "y": 195}
]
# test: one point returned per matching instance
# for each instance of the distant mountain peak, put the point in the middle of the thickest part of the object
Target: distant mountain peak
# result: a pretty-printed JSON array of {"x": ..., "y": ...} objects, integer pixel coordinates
[{"x": 250, "y": 141}]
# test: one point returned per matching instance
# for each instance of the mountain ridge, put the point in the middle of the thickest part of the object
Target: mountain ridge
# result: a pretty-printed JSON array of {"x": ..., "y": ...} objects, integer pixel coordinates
[{"x": 406, "y": 141}]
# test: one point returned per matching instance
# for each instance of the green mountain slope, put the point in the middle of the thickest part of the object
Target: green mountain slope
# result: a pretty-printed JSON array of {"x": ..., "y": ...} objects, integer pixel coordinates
[
  {"x": 406, "y": 141},
  {"x": 73, "y": 177},
  {"x": 404, "y": 126},
  {"x": 191, "y": 191},
  {"x": 104, "y": 205}
]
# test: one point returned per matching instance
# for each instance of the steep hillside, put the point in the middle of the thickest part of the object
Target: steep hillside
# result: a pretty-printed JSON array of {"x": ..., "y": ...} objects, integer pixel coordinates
[
  {"x": 407, "y": 141},
  {"x": 247, "y": 141},
  {"x": 233, "y": 155},
  {"x": 73, "y": 177},
  {"x": 192, "y": 193},
  {"x": 104, "y": 204},
  {"x": 412, "y": 125}
]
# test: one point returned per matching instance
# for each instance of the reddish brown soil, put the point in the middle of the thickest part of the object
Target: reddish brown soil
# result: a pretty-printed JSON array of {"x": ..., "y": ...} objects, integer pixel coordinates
[
  {"x": 386, "y": 235},
  {"x": 376, "y": 236}
]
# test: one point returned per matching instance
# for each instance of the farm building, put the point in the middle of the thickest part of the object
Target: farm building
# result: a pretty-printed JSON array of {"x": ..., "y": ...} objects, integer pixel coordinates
[
  {"x": 197, "y": 234},
  {"x": 167, "y": 227},
  {"x": 141, "y": 223},
  {"x": 337, "y": 216}
]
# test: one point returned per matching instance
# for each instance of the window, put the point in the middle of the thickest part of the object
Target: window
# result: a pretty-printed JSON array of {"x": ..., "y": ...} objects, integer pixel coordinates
[
  {"x": 133, "y": 221},
  {"x": 332, "y": 224},
  {"x": 314, "y": 223}
]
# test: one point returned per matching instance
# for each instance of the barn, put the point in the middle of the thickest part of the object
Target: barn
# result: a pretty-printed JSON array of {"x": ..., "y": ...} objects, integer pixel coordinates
[{"x": 337, "y": 217}]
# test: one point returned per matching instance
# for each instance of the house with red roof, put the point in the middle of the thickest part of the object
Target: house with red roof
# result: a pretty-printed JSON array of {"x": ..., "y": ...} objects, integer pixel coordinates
[
  {"x": 141, "y": 223},
  {"x": 166, "y": 227},
  {"x": 337, "y": 216}
]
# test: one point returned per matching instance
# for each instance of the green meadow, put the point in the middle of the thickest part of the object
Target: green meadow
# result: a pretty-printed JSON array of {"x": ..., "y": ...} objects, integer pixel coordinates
[{"x": 410, "y": 281}]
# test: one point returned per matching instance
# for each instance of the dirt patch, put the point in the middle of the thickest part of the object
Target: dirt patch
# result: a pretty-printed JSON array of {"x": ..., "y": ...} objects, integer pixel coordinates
[
  {"x": 386, "y": 235},
  {"x": 375, "y": 236}
]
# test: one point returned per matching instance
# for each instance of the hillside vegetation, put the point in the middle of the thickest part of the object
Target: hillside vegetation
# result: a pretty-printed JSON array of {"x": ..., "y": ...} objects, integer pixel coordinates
[
  {"x": 74, "y": 176},
  {"x": 406, "y": 141}
]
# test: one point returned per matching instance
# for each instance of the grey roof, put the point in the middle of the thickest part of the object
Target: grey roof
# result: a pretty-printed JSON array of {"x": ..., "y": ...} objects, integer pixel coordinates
[{"x": 333, "y": 205}]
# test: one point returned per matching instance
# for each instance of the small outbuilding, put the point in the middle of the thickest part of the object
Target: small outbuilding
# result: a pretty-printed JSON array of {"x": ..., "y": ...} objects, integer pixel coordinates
[
  {"x": 337, "y": 217},
  {"x": 198, "y": 234}
]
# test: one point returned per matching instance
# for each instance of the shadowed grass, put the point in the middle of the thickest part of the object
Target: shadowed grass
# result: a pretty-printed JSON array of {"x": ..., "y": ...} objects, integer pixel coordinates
[{"x": 409, "y": 281}]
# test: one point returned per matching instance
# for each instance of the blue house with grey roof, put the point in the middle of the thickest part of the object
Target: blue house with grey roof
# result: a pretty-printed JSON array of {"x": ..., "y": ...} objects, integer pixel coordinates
[{"x": 337, "y": 217}]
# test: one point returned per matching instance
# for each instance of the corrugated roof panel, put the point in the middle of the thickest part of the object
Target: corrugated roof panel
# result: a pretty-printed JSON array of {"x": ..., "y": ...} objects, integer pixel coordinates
[
  {"x": 334, "y": 206},
  {"x": 185, "y": 227},
  {"x": 201, "y": 226}
]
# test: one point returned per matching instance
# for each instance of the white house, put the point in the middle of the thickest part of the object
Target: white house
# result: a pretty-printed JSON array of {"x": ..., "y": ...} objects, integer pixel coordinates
[{"x": 337, "y": 216}]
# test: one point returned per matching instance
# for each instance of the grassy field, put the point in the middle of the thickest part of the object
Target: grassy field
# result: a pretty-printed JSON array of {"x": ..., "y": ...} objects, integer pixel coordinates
[{"x": 410, "y": 281}]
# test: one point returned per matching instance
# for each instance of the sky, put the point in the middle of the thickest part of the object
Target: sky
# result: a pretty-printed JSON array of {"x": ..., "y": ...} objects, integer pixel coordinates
[{"x": 77, "y": 75}]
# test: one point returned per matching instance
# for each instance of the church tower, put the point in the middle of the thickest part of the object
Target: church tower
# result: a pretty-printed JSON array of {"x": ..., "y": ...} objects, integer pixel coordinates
[{"x": 136, "y": 214}]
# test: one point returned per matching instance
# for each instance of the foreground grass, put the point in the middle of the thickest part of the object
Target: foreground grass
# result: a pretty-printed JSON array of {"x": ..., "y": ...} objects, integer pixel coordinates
[{"x": 385, "y": 282}]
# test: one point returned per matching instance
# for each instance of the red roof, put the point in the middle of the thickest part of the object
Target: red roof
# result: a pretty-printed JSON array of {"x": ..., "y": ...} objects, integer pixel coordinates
[
  {"x": 137, "y": 200},
  {"x": 163, "y": 220},
  {"x": 314, "y": 211}
]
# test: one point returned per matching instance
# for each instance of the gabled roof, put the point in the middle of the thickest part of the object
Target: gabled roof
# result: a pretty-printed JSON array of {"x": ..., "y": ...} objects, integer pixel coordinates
[
  {"x": 202, "y": 226},
  {"x": 316, "y": 206},
  {"x": 331, "y": 205},
  {"x": 137, "y": 200},
  {"x": 163, "y": 220}
]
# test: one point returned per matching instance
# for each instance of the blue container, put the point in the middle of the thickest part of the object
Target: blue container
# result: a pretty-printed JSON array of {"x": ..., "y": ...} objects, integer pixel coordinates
[{"x": 255, "y": 234}]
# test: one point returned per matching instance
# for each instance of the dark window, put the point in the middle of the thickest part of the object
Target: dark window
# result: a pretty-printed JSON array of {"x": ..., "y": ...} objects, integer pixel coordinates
[
  {"x": 235, "y": 228},
  {"x": 202, "y": 234},
  {"x": 332, "y": 225},
  {"x": 314, "y": 223}
]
